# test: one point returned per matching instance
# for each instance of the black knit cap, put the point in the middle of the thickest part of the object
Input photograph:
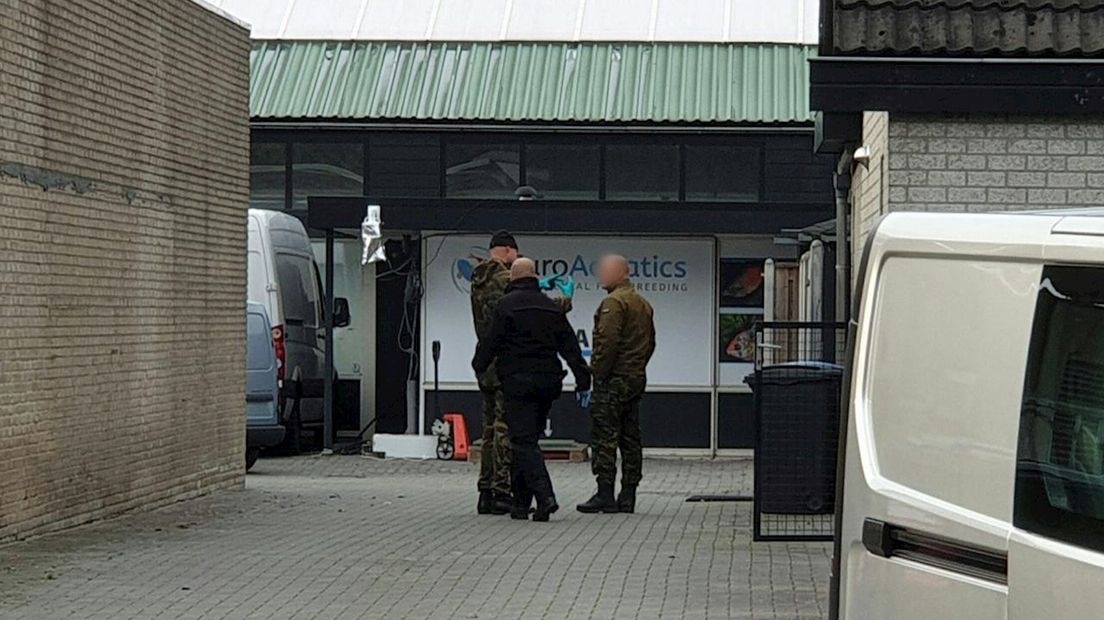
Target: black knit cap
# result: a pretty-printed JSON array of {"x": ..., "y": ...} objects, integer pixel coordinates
[{"x": 503, "y": 239}]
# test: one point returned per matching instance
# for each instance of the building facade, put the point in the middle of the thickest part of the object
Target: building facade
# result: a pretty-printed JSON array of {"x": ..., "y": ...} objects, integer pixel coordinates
[
  {"x": 681, "y": 138},
  {"x": 960, "y": 106},
  {"x": 123, "y": 187}
]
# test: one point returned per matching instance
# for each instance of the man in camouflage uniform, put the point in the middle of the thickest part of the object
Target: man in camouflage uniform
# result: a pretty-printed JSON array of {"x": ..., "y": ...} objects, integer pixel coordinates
[
  {"x": 489, "y": 281},
  {"x": 624, "y": 341}
]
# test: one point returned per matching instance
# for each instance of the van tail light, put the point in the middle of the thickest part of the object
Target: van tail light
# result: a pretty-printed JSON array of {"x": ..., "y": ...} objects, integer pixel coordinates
[{"x": 281, "y": 350}]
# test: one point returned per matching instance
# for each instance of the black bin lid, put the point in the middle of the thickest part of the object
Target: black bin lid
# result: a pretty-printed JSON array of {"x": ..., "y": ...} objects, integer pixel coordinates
[{"x": 795, "y": 372}]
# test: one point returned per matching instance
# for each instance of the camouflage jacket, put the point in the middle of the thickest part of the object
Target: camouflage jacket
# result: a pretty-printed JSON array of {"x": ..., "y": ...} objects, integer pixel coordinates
[
  {"x": 489, "y": 281},
  {"x": 624, "y": 335}
]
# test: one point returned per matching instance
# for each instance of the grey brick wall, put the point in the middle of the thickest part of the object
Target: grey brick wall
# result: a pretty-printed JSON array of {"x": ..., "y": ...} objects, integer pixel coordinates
[
  {"x": 974, "y": 164},
  {"x": 124, "y": 147},
  {"x": 869, "y": 195},
  {"x": 994, "y": 163}
]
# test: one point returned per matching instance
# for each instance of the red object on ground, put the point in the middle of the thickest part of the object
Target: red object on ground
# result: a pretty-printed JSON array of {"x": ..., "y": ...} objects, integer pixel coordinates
[{"x": 459, "y": 435}]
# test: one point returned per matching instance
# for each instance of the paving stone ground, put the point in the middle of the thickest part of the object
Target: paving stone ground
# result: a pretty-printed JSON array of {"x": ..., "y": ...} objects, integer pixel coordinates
[{"x": 353, "y": 537}]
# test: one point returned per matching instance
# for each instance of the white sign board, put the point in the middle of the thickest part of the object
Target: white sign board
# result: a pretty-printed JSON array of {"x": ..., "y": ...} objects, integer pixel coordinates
[{"x": 675, "y": 275}]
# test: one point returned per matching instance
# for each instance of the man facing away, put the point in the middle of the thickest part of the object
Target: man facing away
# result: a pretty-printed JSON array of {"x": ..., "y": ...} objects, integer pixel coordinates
[
  {"x": 624, "y": 341},
  {"x": 489, "y": 281},
  {"x": 529, "y": 334}
]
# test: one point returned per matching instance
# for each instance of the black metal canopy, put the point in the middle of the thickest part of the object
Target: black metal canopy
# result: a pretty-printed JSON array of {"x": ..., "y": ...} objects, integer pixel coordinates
[
  {"x": 562, "y": 216},
  {"x": 1023, "y": 87}
]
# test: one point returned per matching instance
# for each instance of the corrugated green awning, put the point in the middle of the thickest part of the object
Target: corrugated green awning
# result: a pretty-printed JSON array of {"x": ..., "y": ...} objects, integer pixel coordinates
[{"x": 700, "y": 83}]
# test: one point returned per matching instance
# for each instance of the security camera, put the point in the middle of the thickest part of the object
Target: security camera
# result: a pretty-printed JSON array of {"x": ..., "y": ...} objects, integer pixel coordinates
[{"x": 862, "y": 156}]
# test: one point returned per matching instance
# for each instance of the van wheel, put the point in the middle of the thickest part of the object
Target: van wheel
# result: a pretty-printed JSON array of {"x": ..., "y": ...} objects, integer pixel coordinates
[{"x": 251, "y": 456}]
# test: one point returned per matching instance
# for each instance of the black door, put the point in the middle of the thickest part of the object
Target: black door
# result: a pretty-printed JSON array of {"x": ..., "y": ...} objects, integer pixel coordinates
[{"x": 396, "y": 333}]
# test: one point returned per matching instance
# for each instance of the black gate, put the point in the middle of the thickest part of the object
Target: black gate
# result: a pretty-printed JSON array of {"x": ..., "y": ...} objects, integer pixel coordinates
[{"x": 797, "y": 382}]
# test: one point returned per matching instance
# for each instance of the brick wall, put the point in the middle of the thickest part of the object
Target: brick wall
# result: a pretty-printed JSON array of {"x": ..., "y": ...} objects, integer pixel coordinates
[
  {"x": 994, "y": 164},
  {"x": 948, "y": 164},
  {"x": 123, "y": 188},
  {"x": 868, "y": 183}
]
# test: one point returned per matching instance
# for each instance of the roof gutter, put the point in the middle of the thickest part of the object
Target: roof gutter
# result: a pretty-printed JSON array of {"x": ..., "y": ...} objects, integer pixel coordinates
[{"x": 286, "y": 125}]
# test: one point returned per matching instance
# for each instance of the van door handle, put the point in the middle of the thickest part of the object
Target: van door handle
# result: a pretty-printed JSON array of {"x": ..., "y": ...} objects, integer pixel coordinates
[{"x": 891, "y": 541}]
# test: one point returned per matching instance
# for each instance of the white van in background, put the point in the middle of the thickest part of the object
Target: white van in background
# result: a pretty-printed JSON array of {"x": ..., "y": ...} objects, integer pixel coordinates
[
  {"x": 972, "y": 460},
  {"x": 284, "y": 278},
  {"x": 263, "y": 429}
]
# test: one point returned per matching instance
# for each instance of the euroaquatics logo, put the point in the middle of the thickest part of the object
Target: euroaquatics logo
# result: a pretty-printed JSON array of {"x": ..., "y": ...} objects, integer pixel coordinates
[
  {"x": 463, "y": 268},
  {"x": 655, "y": 273},
  {"x": 648, "y": 267}
]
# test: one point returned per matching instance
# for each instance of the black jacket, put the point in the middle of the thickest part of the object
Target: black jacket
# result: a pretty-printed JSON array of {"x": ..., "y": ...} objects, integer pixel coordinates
[{"x": 529, "y": 334}]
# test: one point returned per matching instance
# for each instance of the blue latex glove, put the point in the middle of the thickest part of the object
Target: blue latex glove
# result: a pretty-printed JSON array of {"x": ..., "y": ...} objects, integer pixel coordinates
[
  {"x": 583, "y": 398},
  {"x": 549, "y": 283},
  {"x": 567, "y": 286}
]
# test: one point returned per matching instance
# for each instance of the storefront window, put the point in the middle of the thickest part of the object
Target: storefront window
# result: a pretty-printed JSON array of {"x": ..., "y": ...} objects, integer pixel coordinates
[
  {"x": 482, "y": 170},
  {"x": 718, "y": 173},
  {"x": 267, "y": 167},
  {"x": 326, "y": 169},
  {"x": 563, "y": 172},
  {"x": 642, "y": 172},
  {"x": 402, "y": 166}
]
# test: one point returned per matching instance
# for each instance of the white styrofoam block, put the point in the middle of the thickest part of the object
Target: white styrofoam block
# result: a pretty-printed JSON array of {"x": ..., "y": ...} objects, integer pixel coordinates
[{"x": 405, "y": 446}]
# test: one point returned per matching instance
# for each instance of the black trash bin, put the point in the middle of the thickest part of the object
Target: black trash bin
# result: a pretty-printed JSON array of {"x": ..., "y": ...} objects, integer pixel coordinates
[{"x": 798, "y": 409}]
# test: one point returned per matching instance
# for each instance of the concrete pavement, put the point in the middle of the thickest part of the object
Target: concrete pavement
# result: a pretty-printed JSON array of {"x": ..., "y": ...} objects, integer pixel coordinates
[{"x": 349, "y": 537}]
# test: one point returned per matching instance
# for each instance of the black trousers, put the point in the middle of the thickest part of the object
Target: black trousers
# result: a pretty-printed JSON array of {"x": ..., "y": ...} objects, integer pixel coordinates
[{"x": 529, "y": 398}]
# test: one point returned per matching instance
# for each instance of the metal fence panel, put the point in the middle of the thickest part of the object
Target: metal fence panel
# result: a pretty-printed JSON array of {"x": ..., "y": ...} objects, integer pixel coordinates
[{"x": 797, "y": 382}]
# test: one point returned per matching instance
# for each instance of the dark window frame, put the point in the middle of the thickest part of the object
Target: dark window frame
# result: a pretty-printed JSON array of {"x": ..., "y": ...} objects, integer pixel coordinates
[
  {"x": 342, "y": 138},
  {"x": 760, "y": 184},
  {"x": 639, "y": 142},
  {"x": 524, "y": 139},
  {"x": 447, "y": 141},
  {"x": 372, "y": 142},
  {"x": 558, "y": 142}
]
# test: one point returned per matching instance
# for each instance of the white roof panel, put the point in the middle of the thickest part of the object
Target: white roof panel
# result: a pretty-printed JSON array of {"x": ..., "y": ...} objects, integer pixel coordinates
[
  {"x": 264, "y": 16},
  {"x": 336, "y": 23},
  {"x": 773, "y": 22},
  {"x": 471, "y": 20},
  {"x": 393, "y": 19},
  {"x": 710, "y": 21},
  {"x": 705, "y": 23},
  {"x": 617, "y": 20},
  {"x": 544, "y": 20}
]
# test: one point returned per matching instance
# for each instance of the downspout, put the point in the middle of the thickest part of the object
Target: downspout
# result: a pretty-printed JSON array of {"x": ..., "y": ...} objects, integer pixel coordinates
[{"x": 841, "y": 182}]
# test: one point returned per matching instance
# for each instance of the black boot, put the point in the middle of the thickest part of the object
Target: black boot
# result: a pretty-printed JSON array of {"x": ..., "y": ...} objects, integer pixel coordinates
[
  {"x": 545, "y": 508},
  {"x": 501, "y": 504},
  {"x": 601, "y": 502},
  {"x": 484, "y": 505},
  {"x": 523, "y": 499},
  {"x": 626, "y": 499}
]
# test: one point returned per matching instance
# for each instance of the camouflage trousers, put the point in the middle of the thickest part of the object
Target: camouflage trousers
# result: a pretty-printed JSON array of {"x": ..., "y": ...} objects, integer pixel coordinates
[
  {"x": 494, "y": 454},
  {"x": 615, "y": 425}
]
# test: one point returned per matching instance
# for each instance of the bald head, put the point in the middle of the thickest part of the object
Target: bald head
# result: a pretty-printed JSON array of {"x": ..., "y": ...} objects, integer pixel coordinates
[
  {"x": 523, "y": 268},
  {"x": 612, "y": 271}
]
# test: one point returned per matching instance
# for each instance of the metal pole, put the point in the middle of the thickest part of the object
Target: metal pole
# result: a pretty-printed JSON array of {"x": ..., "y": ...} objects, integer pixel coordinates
[
  {"x": 328, "y": 379},
  {"x": 436, "y": 379}
]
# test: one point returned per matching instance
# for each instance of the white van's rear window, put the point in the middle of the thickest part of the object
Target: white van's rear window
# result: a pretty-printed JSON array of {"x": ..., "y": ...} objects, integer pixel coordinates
[{"x": 1060, "y": 460}]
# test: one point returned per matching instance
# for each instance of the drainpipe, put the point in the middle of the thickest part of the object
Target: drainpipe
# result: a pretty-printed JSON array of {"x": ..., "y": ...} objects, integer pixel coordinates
[{"x": 841, "y": 181}]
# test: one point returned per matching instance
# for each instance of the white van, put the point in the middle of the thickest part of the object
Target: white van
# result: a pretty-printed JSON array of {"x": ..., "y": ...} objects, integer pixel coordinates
[
  {"x": 972, "y": 474},
  {"x": 284, "y": 278}
]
